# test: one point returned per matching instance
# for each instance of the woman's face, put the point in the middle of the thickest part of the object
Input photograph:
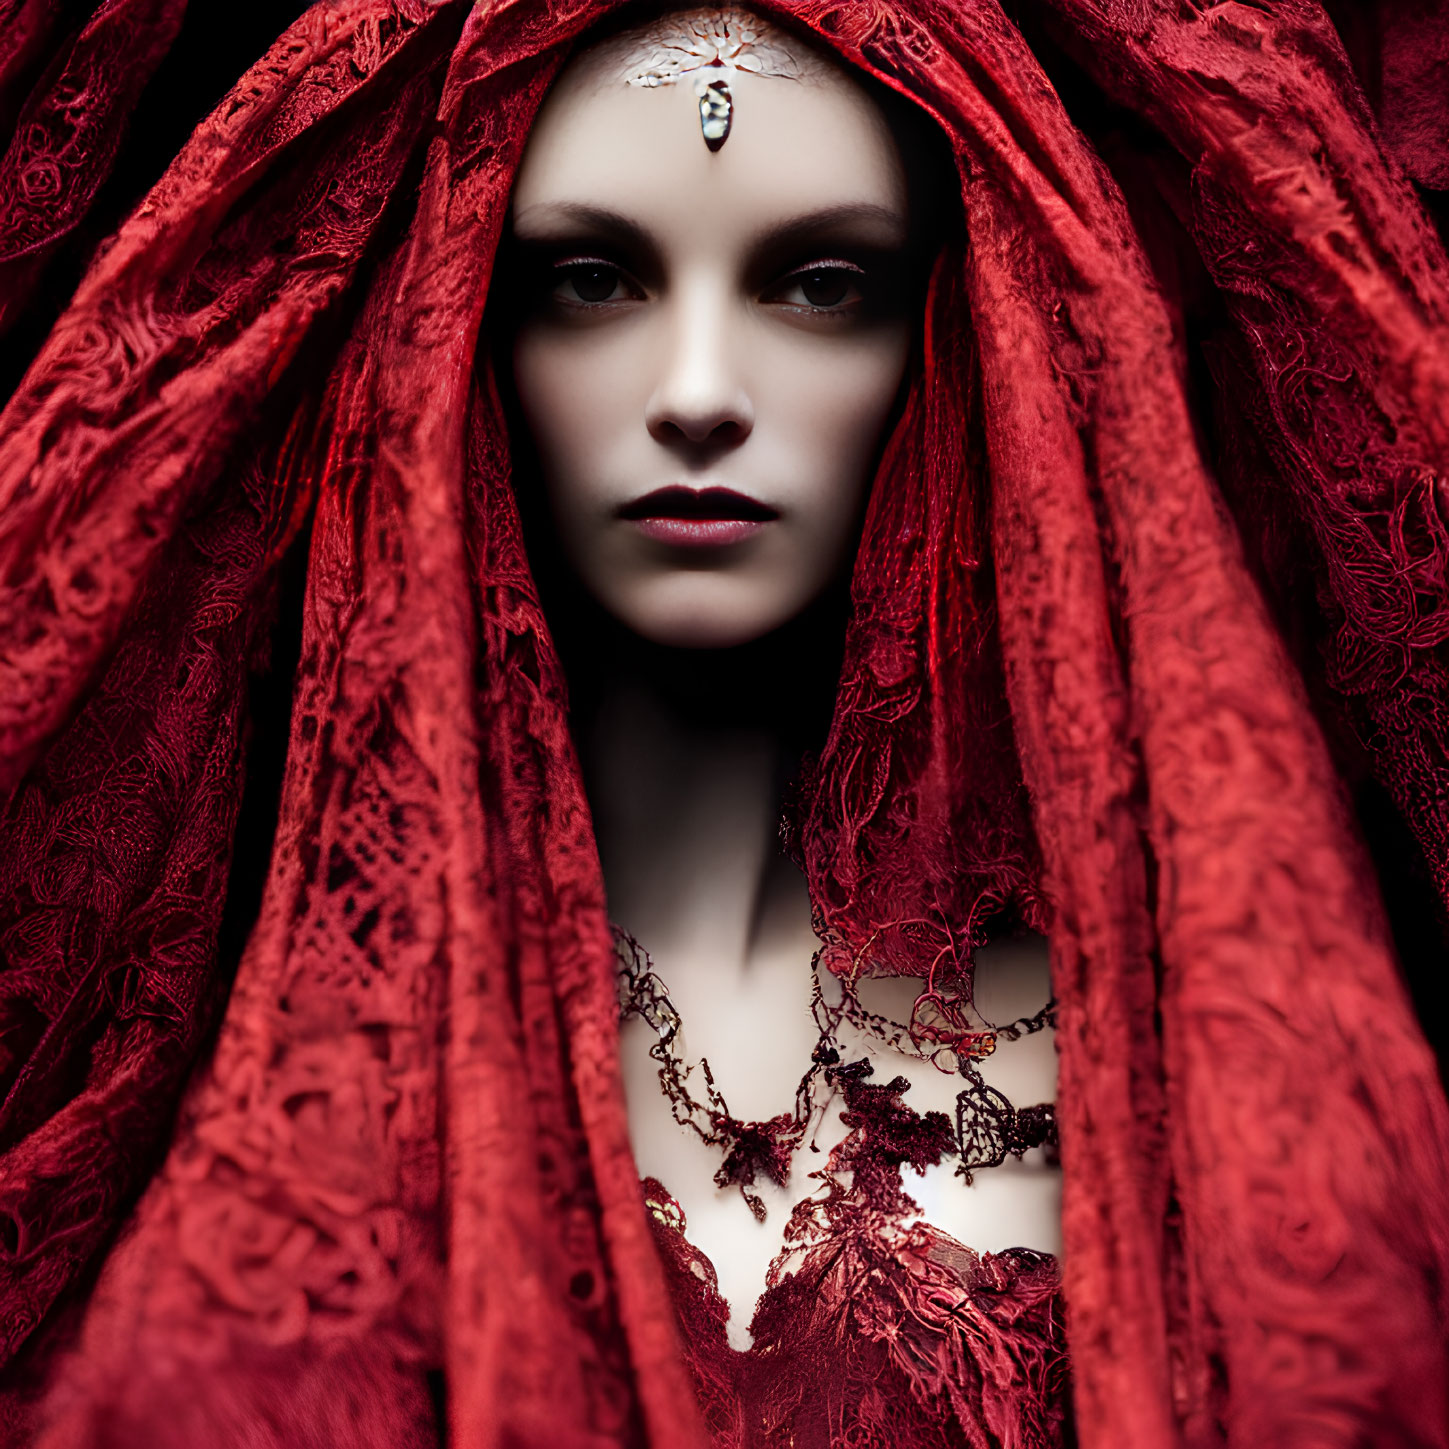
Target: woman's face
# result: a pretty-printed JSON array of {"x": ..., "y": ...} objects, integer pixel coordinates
[{"x": 712, "y": 341}]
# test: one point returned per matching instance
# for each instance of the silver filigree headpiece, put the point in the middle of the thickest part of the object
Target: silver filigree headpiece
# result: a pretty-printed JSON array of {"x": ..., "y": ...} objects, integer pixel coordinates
[{"x": 707, "y": 45}]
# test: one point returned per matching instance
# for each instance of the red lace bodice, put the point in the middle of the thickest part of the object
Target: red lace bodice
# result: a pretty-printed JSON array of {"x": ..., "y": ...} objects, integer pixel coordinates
[{"x": 871, "y": 1332}]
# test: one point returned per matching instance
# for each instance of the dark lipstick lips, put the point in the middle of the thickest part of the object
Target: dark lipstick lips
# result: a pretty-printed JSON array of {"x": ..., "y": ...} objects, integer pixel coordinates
[
  {"x": 697, "y": 518},
  {"x": 698, "y": 503}
]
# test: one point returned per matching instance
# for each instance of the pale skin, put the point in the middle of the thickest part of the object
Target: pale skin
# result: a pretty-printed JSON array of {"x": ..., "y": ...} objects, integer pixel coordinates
[{"x": 732, "y": 319}]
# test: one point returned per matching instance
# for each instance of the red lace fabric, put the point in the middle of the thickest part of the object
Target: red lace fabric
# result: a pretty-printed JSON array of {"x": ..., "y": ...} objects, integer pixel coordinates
[
  {"x": 377, "y": 1189},
  {"x": 871, "y": 1332}
]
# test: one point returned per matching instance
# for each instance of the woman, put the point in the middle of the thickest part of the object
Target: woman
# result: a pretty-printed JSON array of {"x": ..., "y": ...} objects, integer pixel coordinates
[
  {"x": 708, "y": 344},
  {"x": 405, "y": 1168}
]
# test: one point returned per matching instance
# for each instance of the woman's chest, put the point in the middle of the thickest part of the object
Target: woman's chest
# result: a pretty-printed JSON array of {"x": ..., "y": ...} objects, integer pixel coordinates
[{"x": 758, "y": 1035}]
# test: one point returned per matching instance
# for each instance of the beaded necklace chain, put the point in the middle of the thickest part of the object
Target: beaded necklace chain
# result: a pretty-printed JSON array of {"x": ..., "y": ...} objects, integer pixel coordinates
[{"x": 987, "y": 1128}]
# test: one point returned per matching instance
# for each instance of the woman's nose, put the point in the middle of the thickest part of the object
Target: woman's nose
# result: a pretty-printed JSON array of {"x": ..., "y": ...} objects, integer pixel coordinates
[{"x": 700, "y": 397}]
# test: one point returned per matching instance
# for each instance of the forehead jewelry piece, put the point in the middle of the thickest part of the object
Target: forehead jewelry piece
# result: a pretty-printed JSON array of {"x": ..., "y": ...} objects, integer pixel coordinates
[{"x": 707, "y": 45}]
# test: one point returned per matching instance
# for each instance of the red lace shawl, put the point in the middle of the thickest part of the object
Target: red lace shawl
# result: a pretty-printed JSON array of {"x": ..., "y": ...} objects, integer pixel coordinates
[{"x": 401, "y": 1166}]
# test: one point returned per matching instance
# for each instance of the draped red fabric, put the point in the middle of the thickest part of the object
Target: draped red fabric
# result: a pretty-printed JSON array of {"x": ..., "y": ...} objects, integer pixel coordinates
[
  {"x": 388, "y": 1163},
  {"x": 67, "y": 130}
]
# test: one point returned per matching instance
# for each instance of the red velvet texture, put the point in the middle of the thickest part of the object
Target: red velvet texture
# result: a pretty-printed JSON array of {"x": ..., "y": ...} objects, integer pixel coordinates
[{"x": 406, "y": 1151}]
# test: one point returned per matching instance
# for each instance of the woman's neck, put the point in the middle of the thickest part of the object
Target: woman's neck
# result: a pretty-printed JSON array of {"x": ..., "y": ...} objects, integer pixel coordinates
[
  {"x": 687, "y": 756},
  {"x": 686, "y": 815}
]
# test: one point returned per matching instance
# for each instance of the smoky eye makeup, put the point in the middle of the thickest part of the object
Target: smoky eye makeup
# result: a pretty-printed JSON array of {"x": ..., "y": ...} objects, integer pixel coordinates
[
  {"x": 591, "y": 281},
  {"x": 571, "y": 277},
  {"x": 829, "y": 284},
  {"x": 842, "y": 264},
  {"x": 570, "y": 261},
  {"x": 833, "y": 289},
  {"x": 845, "y": 266}
]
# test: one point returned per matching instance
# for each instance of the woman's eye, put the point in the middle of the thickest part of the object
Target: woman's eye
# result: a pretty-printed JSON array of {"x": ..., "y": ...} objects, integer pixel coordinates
[
  {"x": 590, "y": 282},
  {"x": 826, "y": 288}
]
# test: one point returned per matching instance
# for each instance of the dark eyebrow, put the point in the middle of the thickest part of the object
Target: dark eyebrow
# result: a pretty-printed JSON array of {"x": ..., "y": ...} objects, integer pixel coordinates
[
  {"x": 551, "y": 216},
  {"x": 879, "y": 226},
  {"x": 875, "y": 226}
]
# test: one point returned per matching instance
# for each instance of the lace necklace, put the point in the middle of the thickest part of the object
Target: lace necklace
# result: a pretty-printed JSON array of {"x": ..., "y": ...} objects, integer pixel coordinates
[{"x": 987, "y": 1126}]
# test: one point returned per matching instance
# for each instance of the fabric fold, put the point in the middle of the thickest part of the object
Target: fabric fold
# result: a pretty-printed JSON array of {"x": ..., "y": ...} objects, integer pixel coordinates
[{"x": 399, "y": 1204}]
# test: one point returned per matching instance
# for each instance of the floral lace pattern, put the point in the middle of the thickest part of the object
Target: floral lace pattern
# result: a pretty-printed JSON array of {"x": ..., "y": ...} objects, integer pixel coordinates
[
  {"x": 870, "y": 1332},
  {"x": 398, "y": 1201}
]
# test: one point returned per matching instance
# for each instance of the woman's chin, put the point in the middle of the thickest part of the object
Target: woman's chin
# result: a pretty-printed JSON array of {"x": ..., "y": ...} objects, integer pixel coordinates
[
  {"x": 714, "y": 625},
  {"x": 699, "y": 610},
  {"x": 701, "y": 633}
]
